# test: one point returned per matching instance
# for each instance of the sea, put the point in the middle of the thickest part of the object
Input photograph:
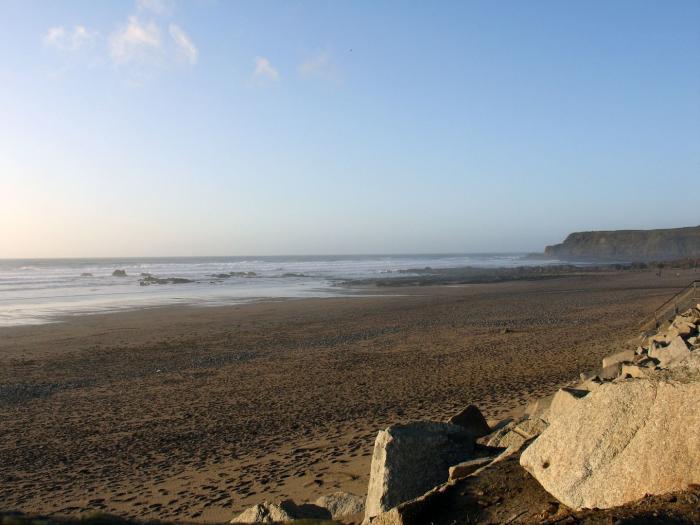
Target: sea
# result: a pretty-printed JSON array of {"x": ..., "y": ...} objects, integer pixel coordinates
[{"x": 36, "y": 291}]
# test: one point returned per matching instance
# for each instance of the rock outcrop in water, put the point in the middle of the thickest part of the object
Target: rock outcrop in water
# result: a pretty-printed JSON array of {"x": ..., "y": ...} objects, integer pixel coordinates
[
  {"x": 147, "y": 279},
  {"x": 629, "y": 245}
]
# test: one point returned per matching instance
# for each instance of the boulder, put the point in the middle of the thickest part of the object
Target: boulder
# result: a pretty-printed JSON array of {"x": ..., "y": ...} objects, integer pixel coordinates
[
  {"x": 410, "y": 459},
  {"x": 660, "y": 338},
  {"x": 464, "y": 469},
  {"x": 515, "y": 434},
  {"x": 682, "y": 328},
  {"x": 508, "y": 438},
  {"x": 649, "y": 362},
  {"x": 676, "y": 351},
  {"x": 287, "y": 510},
  {"x": 620, "y": 357},
  {"x": 590, "y": 385},
  {"x": 417, "y": 511},
  {"x": 585, "y": 376},
  {"x": 266, "y": 512},
  {"x": 564, "y": 401},
  {"x": 341, "y": 504},
  {"x": 635, "y": 371},
  {"x": 689, "y": 316},
  {"x": 639, "y": 357},
  {"x": 540, "y": 405},
  {"x": 610, "y": 372},
  {"x": 472, "y": 420},
  {"x": 119, "y": 273},
  {"x": 623, "y": 441},
  {"x": 532, "y": 427}
]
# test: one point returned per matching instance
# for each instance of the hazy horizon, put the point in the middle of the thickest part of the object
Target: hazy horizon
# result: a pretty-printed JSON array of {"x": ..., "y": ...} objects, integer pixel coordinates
[
  {"x": 164, "y": 128},
  {"x": 253, "y": 255}
]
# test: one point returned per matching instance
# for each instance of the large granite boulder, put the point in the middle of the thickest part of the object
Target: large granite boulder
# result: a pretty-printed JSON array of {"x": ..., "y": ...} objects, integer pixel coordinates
[
  {"x": 624, "y": 440},
  {"x": 341, "y": 504},
  {"x": 410, "y": 459}
]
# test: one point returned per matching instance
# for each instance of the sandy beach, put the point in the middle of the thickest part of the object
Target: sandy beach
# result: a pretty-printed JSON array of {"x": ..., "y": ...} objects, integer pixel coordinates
[{"x": 184, "y": 413}]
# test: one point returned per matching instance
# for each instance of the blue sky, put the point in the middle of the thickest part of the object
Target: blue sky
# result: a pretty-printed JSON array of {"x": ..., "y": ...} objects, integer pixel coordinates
[{"x": 224, "y": 128}]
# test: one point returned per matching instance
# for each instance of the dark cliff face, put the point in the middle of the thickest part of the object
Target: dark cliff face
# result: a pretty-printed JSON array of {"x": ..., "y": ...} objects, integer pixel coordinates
[{"x": 629, "y": 245}]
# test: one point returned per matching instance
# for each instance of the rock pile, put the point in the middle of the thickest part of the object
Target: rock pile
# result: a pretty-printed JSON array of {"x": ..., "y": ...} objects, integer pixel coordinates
[
  {"x": 636, "y": 434},
  {"x": 628, "y": 429}
]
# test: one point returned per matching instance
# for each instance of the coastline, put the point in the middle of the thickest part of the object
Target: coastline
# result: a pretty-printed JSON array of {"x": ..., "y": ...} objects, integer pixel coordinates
[
  {"x": 195, "y": 413},
  {"x": 39, "y": 291},
  {"x": 31, "y": 305}
]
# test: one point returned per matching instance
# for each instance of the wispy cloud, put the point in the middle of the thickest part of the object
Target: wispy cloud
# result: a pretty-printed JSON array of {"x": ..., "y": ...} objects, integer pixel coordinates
[
  {"x": 264, "y": 70},
  {"x": 140, "y": 46},
  {"x": 183, "y": 43},
  {"x": 319, "y": 65},
  {"x": 159, "y": 7},
  {"x": 135, "y": 42},
  {"x": 67, "y": 40},
  {"x": 314, "y": 65}
]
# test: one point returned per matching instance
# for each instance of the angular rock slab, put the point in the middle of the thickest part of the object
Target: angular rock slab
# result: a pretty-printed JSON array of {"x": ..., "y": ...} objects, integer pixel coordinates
[
  {"x": 410, "y": 459},
  {"x": 623, "y": 441},
  {"x": 464, "y": 469}
]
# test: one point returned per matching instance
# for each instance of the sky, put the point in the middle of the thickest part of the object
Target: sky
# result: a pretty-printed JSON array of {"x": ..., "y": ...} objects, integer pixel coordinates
[{"x": 202, "y": 127}]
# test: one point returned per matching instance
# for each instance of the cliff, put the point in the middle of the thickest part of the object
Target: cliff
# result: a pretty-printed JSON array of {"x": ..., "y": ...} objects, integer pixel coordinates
[{"x": 629, "y": 245}]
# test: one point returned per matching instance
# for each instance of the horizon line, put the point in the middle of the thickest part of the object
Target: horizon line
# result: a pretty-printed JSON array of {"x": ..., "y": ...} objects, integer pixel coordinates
[{"x": 378, "y": 254}]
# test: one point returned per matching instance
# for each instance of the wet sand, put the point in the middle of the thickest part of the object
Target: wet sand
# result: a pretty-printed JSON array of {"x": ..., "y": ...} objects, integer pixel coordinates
[{"x": 185, "y": 413}]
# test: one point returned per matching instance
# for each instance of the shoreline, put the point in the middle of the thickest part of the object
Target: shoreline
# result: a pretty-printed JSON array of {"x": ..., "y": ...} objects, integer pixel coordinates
[
  {"x": 197, "y": 413},
  {"x": 172, "y": 295}
]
